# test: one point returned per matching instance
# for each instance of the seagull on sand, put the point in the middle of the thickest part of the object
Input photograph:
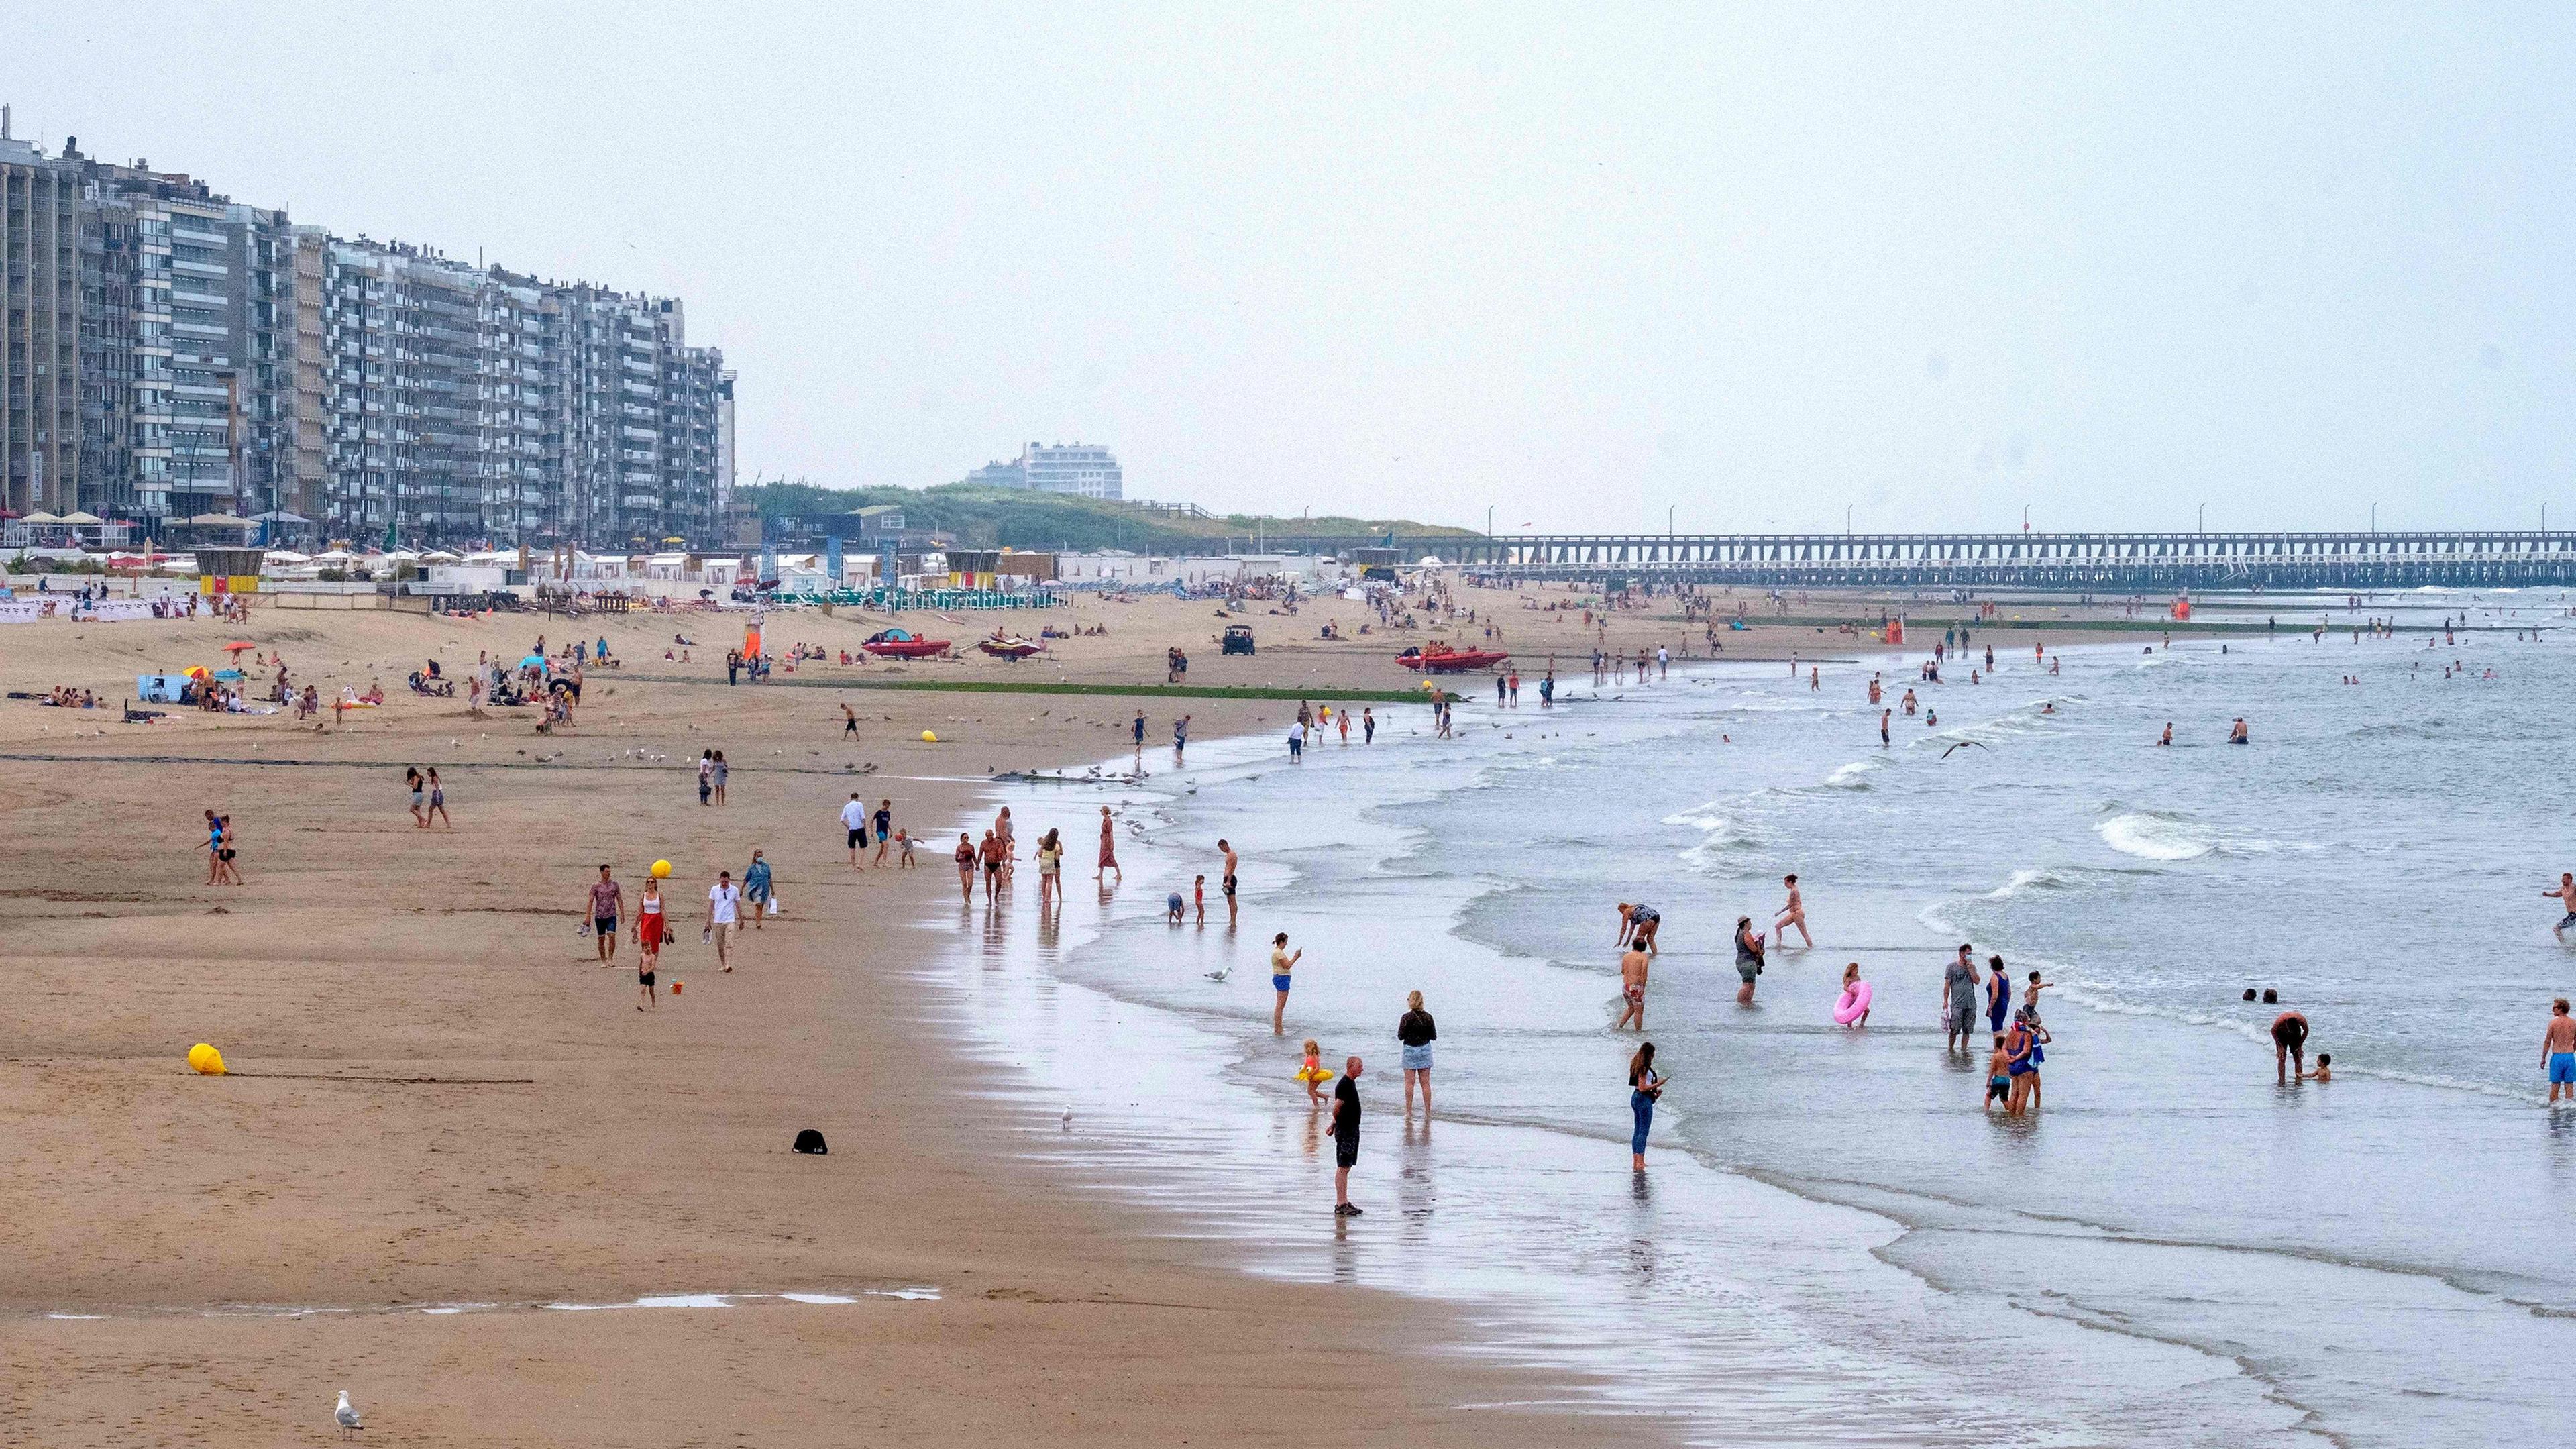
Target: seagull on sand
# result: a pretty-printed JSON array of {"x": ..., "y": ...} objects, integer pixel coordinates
[{"x": 344, "y": 1416}]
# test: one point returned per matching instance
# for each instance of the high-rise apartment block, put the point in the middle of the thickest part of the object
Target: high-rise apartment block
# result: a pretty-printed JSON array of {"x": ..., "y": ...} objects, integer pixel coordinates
[
  {"x": 1083, "y": 469},
  {"x": 169, "y": 352}
]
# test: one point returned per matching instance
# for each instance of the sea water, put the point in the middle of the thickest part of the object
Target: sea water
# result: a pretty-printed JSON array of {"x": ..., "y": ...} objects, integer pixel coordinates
[{"x": 1835, "y": 1241}]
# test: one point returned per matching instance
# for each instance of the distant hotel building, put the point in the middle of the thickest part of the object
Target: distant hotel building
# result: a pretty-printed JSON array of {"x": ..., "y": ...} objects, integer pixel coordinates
[
  {"x": 1077, "y": 468},
  {"x": 169, "y": 352}
]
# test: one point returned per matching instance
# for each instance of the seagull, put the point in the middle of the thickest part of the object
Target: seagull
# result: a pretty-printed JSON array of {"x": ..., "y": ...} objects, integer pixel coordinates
[
  {"x": 344, "y": 1416},
  {"x": 1217, "y": 975},
  {"x": 1961, "y": 745}
]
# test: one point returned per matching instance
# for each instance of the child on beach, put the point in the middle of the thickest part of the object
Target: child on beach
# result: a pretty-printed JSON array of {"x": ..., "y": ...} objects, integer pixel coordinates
[
  {"x": 2324, "y": 1071},
  {"x": 1999, "y": 1075},
  {"x": 1198, "y": 891},
  {"x": 1314, "y": 1073},
  {"x": 903, "y": 850},
  {"x": 2030, "y": 996},
  {"x": 1172, "y": 906}
]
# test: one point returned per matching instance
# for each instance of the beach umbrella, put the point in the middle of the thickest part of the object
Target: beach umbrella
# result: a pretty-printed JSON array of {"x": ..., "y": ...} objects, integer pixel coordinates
[
  {"x": 197, "y": 671},
  {"x": 238, "y": 645},
  {"x": 533, "y": 661}
]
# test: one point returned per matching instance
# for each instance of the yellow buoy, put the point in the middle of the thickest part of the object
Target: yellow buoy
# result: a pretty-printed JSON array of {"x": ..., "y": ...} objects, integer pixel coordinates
[
  {"x": 661, "y": 870},
  {"x": 929, "y": 738},
  {"x": 206, "y": 1059}
]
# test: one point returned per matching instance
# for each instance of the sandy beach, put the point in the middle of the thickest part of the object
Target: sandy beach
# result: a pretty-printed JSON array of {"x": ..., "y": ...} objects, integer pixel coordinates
[{"x": 438, "y": 1098}]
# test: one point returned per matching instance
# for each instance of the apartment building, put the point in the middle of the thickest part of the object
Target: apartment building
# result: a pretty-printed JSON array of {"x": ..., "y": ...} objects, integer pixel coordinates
[
  {"x": 39, "y": 330},
  {"x": 1083, "y": 469},
  {"x": 166, "y": 351}
]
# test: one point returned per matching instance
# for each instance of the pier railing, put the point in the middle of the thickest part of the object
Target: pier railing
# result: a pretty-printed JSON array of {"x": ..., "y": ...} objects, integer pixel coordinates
[{"x": 2109, "y": 562}]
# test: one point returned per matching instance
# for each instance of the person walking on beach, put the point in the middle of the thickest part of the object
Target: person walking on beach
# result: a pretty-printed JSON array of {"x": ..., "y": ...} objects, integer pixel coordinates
[
  {"x": 1342, "y": 723},
  {"x": 1415, "y": 1032},
  {"x": 1050, "y": 864},
  {"x": 1368, "y": 725},
  {"x": 966, "y": 866},
  {"x": 724, "y": 913},
  {"x": 1180, "y": 737},
  {"x": 2558, "y": 1052},
  {"x": 2289, "y": 1044},
  {"x": 2565, "y": 891},
  {"x": 437, "y": 802},
  {"x": 722, "y": 771},
  {"x": 1346, "y": 1137},
  {"x": 1958, "y": 1001},
  {"x": 649, "y": 929},
  {"x": 1227, "y": 880},
  {"x": 1109, "y": 846},
  {"x": 1792, "y": 914},
  {"x": 1297, "y": 743},
  {"x": 756, "y": 888},
  {"x": 849, "y": 723},
  {"x": 854, "y": 824},
  {"x": 412, "y": 782},
  {"x": 1283, "y": 966},
  {"x": 706, "y": 776},
  {"x": 885, "y": 826},
  {"x": 607, "y": 903},
  {"x": 993, "y": 854},
  {"x": 1140, "y": 734},
  {"x": 1883, "y": 716},
  {"x": 1632, "y": 986},
  {"x": 1645, "y": 1089},
  {"x": 1998, "y": 994},
  {"x": 227, "y": 851},
  {"x": 1748, "y": 958}
]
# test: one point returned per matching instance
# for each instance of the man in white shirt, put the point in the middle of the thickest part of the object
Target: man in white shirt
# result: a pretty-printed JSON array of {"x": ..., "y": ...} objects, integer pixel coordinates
[
  {"x": 854, "y": 819},
  {"x": 724, "y": 910}
]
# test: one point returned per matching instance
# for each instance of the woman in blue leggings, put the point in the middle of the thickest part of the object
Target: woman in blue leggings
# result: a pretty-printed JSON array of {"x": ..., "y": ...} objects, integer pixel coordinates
[{"x": 1644, "y": 1087}]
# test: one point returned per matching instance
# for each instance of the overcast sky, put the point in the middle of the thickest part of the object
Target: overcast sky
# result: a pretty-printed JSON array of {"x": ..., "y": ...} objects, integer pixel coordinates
[{"x": 1581, "y": 264}]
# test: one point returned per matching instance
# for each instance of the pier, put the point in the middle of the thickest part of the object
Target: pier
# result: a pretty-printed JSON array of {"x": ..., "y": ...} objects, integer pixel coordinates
[{"x": 2096, "y": 562}]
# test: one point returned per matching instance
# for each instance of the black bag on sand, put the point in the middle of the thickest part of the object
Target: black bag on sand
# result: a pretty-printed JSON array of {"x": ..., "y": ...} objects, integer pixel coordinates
[{"x": 810, "y": 1140}]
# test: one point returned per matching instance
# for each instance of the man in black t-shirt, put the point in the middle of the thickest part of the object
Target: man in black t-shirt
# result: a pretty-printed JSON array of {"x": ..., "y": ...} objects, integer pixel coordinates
[{"x": 1346, "y": 1137}]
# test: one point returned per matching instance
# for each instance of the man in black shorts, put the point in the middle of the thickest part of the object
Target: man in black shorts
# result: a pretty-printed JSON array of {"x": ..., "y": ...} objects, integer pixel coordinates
[
  {"x": 1346, "y": 1138},
  {"x": 2289, "y": 1044},
  {"x": 1230, "y": 863}
]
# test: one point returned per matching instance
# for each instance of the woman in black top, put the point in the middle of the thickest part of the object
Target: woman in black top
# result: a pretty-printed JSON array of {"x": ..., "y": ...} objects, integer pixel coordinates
[
  {"x": 1415, "y": 1031},
  {"x": 1748, "y": 956},
  {"x": 1645, "y": 1088}
]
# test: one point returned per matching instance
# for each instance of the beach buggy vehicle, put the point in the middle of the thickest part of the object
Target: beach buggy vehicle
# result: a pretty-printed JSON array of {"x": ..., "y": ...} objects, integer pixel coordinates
[
  {"x": 903, "y": 644},
  {"x": 1238, "y": 639}
]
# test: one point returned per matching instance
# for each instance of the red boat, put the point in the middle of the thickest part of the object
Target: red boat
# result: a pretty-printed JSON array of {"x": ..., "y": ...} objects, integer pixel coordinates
[
  {"x": 1439, "y": 658},
  {"x": 903, "y": 644}
]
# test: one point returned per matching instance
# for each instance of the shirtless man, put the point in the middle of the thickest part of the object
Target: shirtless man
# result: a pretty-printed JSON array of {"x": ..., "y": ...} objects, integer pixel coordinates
[
  {"x": 1882, "y": 727},
  {"x": 2167, "y": 737},
  {"x": 1639, "y": 925},
  {"x": 1632, "y": 985},
  {"x": 1228, "y": 878},
  {"x": 2236, "y": 731},
  {"x": 2557, "y": 1050},
  {"x": 2565, "y": 891},
  {"x": 1792, "y": 914},
  {"x": 2289, "y": 1044}
]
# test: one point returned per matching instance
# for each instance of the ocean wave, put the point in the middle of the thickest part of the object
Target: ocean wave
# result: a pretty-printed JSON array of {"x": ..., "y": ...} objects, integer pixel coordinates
[
  {"x": 1854, "y": 776},
  {"x": 2093, "y": 997},
  {"x": 2026, "y": 880},
  {"x": 2157, "y": 836}
]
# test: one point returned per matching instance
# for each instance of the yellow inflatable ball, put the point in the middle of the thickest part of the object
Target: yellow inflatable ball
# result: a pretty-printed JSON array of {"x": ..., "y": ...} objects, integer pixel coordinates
[
  {"x": 929, "y": 737},
  {"x": 661, "y": 870},
  {"x": 206, "y": 1060}
]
